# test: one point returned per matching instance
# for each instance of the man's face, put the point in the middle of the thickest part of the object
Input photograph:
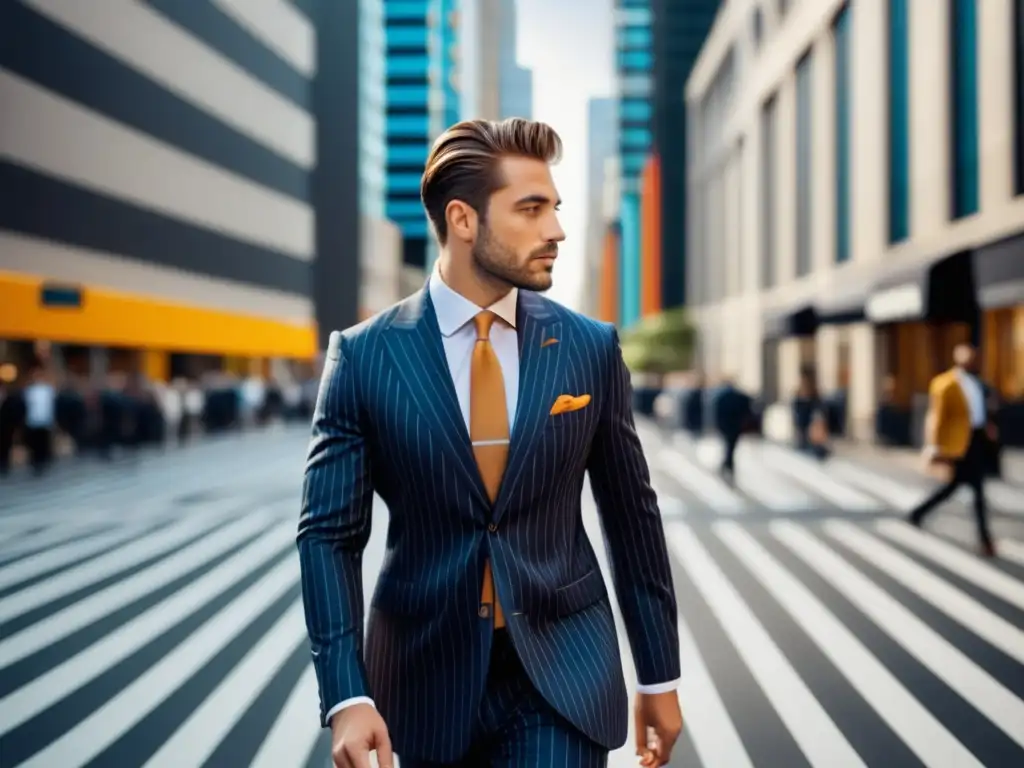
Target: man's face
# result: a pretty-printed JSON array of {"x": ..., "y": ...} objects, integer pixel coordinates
[{"x": 519, "y": 236}]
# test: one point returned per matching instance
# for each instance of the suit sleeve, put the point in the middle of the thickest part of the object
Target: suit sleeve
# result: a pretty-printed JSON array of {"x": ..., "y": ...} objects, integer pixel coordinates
[
  {"x": 334, "y": 527},
  {"x": 635, "y": 537}
]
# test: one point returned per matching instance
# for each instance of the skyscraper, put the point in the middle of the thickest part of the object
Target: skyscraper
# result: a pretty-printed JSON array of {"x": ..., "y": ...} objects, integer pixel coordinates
[
  {"x": 380, "y": 241},
  {"x": 634, "y": 59},
  {"x": 602, "y": 143},
  {"x": 515, "y": 82},
  {"x": 408, "y": 35},
  {"x": 479, "y": 70},
  {"x": 679, "y": 30}
]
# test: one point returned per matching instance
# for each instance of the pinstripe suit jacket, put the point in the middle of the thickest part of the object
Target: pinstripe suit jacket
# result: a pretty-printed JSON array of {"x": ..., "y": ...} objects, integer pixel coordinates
[{"x": 388, "y": 420}]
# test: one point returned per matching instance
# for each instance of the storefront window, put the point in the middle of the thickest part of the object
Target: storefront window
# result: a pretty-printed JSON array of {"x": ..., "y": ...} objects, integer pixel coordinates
[
  {"x": 916, "y": 353},
  {"x": 1003, "y": 351}
]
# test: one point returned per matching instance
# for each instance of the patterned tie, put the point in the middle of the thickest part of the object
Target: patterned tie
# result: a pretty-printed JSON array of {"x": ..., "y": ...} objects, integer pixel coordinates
[{"x": 488, "y": 430}]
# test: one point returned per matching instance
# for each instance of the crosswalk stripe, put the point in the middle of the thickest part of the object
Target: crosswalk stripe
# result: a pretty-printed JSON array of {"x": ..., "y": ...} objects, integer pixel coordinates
[
  {"x": 83, "y": 612},
  {"x": 945, "y": 661},
  {"x": 295, "y": 732},
  {"x": 697, "y": 481},
  {"x": 957, "y": 561},
  {"x": 49, "y": 688},
  {"x": 810, "y": 473},
  {"x": 893, "y": 492},
  {"x": 197, "y": 738},
  {"x": 811, "y": 727},
  {"x": 56, "y": 535},
  {"x": 707, "y": 720},
  {"x": 85, "y": 740},
  {"x": 53, "y": 559},
  {"x": 137, "y": 551},
  {"x": 770, "y": 490},
  {"x": 955, "y": 603},
  {"x": 914, "y": 724}
]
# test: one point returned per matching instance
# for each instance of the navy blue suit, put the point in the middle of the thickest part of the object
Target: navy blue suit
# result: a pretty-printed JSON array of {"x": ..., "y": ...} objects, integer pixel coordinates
[{"x": 387, "y": 419}]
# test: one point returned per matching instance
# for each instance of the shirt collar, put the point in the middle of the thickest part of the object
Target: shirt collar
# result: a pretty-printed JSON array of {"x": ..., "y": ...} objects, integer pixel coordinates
[{"x": 454, "y": 310}]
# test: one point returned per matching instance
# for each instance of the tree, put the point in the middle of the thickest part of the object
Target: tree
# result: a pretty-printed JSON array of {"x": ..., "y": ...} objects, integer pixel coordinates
[{"x": 660, "y": 344}]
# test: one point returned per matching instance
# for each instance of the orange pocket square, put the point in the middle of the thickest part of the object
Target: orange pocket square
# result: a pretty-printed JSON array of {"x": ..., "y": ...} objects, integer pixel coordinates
[
  {"x": 548, "y": 342},
  {"x": 566, "y": 403}
]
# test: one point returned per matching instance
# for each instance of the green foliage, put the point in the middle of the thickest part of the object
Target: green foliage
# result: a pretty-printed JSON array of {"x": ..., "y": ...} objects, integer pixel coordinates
[{"x": 662, "y": 343}]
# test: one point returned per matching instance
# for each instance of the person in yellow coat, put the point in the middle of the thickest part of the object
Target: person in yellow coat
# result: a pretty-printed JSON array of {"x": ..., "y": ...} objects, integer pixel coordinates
[{"x": 956, "y": 429}]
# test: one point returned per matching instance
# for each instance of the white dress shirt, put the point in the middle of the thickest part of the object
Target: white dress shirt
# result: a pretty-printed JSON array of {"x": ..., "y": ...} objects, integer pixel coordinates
[
  {"x": 40, "y": 405},
  {"x": 974, "y": 393},
  {"x": 455, "y": 315}
]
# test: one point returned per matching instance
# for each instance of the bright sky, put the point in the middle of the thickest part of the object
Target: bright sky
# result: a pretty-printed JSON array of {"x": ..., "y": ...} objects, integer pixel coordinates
[{"x": 569, "y": 46}]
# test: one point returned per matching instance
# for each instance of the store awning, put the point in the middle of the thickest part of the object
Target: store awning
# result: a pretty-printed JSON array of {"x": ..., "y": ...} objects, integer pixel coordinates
[
  {"x": 939, "y": 289},
  {"x": 798, "y": 320},
  {"x": 999, "y": 273}
]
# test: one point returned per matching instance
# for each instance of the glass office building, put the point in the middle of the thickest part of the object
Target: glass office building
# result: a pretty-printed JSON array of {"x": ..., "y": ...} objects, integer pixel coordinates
[
  {"x": 634, "y": 60},
  {"x": 372, "y": 109}
]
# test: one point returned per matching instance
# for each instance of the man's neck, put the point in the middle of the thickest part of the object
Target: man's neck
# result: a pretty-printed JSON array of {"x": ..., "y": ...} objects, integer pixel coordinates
[{"x": 471, "y": 284}]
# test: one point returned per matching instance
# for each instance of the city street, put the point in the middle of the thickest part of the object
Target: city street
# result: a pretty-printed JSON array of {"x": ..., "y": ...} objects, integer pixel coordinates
[{"x": 150, "y": 613}]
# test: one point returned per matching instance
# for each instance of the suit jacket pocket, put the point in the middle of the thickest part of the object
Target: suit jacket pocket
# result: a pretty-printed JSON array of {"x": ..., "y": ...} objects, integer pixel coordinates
[
  {"x": 579, "y": 594},
  {"x": 406, "y": 598}
]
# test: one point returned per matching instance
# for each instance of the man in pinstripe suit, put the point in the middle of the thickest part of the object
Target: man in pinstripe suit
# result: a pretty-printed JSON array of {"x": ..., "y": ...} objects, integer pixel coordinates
[{"x": 474, "y": 408}]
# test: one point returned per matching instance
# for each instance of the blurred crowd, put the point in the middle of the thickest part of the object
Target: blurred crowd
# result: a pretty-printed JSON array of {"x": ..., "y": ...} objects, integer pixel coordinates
[{"x": 46, "y": 416}]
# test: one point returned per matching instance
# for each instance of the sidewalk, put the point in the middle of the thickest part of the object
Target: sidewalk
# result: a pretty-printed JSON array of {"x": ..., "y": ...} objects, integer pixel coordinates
[{"x": 909, "y": 459}]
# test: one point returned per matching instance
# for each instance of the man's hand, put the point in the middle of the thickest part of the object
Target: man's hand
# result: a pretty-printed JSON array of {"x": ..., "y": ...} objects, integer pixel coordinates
[
  {"x": 355, "y": 732},
  {"x": 659, "y": 721}
]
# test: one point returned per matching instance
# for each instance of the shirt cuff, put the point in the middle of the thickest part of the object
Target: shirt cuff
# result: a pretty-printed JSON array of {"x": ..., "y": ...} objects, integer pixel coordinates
[
  {"x": 671, "y": 685},
  {"x": 347, "y": 703}
]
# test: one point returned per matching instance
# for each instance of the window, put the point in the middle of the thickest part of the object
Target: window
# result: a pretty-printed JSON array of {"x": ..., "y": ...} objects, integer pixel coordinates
[
  {"x": 804, "y": 142},
  {"x": 408, "y": 125},
  {"x": 408, "y": 65},
  {"x": 964, "y": 103},
  {"x": 408, "y": 95},
  {"x": 634, "y": 37},
  {"x": 841, "y": 34},
  {"x": 635, "y": 138},
  {"x": 1018, "y": 96},
  {"x": 635, "y": 110},
  {"x": 757, "y": 26},
  {"x": 635, "y": 59},
  {"x": 899, "y": 122},
  {"x": 768, "y": 193}
]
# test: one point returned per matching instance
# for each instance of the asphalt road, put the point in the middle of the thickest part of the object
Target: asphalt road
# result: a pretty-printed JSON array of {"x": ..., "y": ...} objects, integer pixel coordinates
[{"x": 150, "y": 614}]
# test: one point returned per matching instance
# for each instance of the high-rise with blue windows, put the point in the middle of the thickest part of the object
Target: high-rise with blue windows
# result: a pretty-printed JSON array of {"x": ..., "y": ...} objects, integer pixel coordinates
[
  {"x": 634, "y": 60},
  {"x": 409, "y": 33},
  {"x": 657, "y": 43}
]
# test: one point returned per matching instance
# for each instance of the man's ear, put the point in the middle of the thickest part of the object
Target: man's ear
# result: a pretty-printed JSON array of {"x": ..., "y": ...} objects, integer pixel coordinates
[{"x": 462, "y": 219}]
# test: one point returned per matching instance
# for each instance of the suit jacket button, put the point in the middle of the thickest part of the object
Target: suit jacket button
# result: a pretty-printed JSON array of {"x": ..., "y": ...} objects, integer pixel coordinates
[
  {"x": 485, "y": 611},
  {"x": 493, "y": 527}
]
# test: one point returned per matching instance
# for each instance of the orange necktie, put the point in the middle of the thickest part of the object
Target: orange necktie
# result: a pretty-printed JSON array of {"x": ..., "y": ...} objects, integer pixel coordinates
[{"x": 488, "y": 430}]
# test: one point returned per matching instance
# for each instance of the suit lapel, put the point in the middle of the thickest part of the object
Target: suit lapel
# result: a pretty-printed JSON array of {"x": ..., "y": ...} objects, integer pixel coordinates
[
  {"x": 539, "y": 381},
  {"x": 414, "y": 342}
]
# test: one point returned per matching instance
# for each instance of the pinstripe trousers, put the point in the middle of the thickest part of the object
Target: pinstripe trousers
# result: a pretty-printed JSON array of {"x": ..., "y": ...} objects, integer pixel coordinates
[{"x": 516, "y": 728}]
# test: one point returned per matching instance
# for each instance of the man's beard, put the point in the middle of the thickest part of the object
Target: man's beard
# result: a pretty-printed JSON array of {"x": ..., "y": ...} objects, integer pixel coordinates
[{"x": 501, "y": 262}]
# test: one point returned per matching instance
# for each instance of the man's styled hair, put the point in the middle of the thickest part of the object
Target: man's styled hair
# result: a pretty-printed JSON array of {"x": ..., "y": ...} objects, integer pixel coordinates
[{"x": 464, "y": 163}]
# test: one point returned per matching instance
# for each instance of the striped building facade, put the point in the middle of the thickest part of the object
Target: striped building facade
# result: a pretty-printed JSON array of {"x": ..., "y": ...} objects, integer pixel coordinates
[
  {"x": 163, "y": 164},
  {"x": 409, "y": 32}
]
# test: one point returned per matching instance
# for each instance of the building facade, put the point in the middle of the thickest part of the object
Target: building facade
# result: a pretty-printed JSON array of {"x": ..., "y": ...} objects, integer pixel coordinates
[
  {"x": 678, "y": 31},
  {"x": 602, "y": 144},
  {"x": 856, "y": 199},
  {"x": 380, "y": 240},
  {"x": 165, "y": 171},
  {"x": 479, "y": 49},
  {"x": 515, "y": 82},
  {"x": 411, "y": 101},
  {"x": 634, "y": 61}
]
